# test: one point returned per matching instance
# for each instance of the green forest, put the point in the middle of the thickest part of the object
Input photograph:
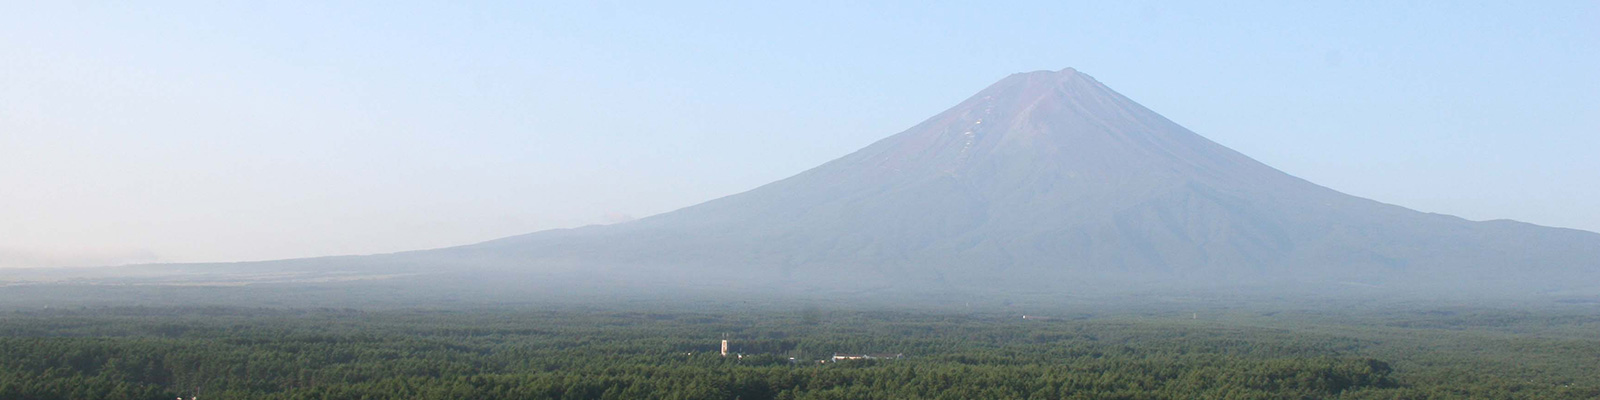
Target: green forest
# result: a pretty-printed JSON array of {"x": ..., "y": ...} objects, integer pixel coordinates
[{"x": 659, "y": 352}]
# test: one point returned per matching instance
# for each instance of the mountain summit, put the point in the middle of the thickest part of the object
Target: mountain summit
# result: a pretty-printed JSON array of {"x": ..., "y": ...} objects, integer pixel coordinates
[{"x": 1051, "y": 179}]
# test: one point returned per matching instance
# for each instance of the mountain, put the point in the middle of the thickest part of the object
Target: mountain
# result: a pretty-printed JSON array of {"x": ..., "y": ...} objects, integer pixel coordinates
[
  {"x": 1044, "y": 180},
  {"x": 1051, "y": 178}
]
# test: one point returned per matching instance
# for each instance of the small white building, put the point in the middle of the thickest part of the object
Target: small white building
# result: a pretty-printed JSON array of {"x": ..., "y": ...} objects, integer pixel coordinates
[{"x": 874, "y": 356}]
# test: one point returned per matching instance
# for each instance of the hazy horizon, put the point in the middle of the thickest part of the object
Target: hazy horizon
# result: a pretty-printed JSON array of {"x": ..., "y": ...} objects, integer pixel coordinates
[{"x": 135, "y": 133}]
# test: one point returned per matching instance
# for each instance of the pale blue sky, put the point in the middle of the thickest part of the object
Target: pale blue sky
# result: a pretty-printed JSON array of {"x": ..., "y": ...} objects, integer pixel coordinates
[{"x": 143, "y": 131}]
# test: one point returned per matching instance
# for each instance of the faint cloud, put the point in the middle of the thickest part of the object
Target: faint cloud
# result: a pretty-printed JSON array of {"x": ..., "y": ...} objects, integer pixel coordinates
[
  {"x": 37, "y": 258},
  {"x": 1150, "y": 13},
  {"x": 616, "y": 218}
]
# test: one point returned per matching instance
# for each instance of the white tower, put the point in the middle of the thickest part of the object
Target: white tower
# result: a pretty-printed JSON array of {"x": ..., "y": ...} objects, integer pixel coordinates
[{"x": 724, "y": 347}]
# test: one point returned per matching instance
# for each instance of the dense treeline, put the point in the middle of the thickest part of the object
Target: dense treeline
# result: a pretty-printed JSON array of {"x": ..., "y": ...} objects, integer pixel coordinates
[{"x": 226, "y": 353}]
